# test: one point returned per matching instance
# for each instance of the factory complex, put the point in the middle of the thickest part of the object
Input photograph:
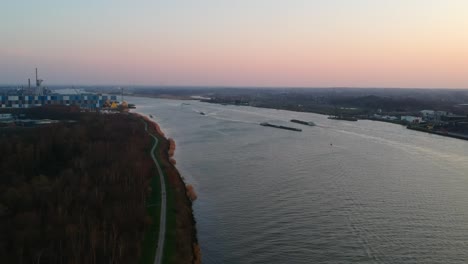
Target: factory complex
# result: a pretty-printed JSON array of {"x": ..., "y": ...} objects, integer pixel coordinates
[{"x": 41, "y": 96}]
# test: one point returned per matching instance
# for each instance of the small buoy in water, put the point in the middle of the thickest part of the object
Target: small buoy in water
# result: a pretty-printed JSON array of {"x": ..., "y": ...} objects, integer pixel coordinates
[{"x": 331, "y": 144}]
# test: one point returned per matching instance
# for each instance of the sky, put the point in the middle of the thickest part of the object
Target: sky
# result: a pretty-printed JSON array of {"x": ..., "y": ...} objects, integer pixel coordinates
[{"x": 274, "y": 43}]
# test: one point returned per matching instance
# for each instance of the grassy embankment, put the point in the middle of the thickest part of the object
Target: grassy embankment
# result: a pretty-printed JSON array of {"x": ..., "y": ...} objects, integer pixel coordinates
[
  {"x": 180, "y": 240},
  {"x": 169, "y": 247},
  {"x": 153, "y": 209}
]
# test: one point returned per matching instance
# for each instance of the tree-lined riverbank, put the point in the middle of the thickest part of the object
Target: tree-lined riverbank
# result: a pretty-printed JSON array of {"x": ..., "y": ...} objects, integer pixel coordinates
[
  {"x": 180, "y": 244},
  {"x": 80, "y": 191}
]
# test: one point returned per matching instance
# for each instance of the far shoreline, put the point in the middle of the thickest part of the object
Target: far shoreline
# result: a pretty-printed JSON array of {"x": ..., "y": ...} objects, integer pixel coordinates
[{"x": 414, "y": 128}]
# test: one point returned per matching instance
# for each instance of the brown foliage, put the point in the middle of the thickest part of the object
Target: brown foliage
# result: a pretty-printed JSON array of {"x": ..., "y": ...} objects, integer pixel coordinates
[
  {"x": 152, "y": 125},
  {"x": 185, "y": 223},
  {"x": 187, "y": 249},
  {"x": 191, "y": 192},
  {"x": 171, "y": 147},
  {"x": 196, "y": 254},
  {"x": 74, "y": 192}
]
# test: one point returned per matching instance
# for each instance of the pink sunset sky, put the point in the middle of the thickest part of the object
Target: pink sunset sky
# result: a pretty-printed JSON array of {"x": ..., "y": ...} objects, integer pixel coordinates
[{"x": 294, "y": 43}]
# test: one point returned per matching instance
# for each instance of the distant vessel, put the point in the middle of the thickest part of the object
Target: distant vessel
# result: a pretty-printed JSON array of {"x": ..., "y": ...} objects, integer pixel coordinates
[
  {"x": 302, "y": 122},
  {"x": 151, "y": 116},
  {"x": 345, "y": 118},
  {"x": 281, "y": 127},
  {"x": 202, "y": 113}
]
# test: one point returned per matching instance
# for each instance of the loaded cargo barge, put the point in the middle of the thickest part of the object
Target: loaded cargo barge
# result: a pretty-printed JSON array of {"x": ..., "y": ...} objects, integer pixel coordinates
[
  {"x": 281, "y": 127},
  {"x": 302, "y": 122},
  {"x": 345, "y": 118}
]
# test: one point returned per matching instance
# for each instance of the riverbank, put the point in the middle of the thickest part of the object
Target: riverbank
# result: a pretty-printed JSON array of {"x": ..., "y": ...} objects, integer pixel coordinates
[
  {"x": 394, "y": 163},
  {"x": 422, "y": 129},
  {"x": 181, "y": 244},
  {"x": 360, "y": 117},
  {"x": 445, "y": 134}
]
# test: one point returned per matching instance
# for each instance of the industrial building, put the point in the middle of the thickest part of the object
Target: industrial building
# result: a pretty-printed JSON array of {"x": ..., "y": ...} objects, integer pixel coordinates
[
  {"x": 41, "y": 96},
  {"x": 89, "y": 101}
]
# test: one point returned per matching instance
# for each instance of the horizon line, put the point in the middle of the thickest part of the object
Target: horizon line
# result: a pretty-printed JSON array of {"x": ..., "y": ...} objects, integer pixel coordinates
[{"x": 230, "y": 86}]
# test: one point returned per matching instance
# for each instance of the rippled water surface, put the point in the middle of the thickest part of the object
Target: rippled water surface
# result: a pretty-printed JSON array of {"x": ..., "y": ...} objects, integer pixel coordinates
[{"x": 339, "y": 192}]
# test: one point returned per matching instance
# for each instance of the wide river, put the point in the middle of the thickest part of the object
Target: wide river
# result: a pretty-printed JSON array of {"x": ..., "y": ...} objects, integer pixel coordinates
[{"x": 339, "y": 192}]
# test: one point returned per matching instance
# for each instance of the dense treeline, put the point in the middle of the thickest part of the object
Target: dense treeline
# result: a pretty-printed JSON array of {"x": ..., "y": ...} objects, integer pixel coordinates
[{"x": 74, "y": 192}]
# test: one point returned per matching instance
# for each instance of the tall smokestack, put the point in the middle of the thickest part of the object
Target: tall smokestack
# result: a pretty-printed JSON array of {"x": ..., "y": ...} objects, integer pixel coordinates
[
  {"x": 38, "y": 84},
  {"x": 29, "y": 83}
]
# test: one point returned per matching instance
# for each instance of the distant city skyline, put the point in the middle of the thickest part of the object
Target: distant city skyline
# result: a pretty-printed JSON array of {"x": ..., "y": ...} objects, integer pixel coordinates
[{"x": 253, "y": 43}]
